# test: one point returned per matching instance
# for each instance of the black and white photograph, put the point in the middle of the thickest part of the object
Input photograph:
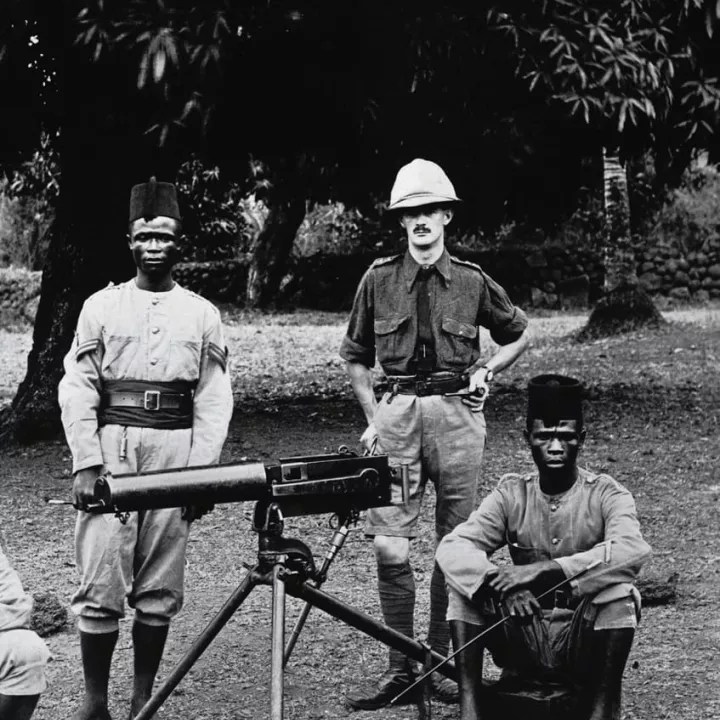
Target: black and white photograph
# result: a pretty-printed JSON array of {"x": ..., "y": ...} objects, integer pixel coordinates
[{"x": 360, "y": 360}]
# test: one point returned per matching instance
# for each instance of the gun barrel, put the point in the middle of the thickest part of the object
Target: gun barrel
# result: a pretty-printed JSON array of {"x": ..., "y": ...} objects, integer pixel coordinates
[{"x": 207, "y": 484}]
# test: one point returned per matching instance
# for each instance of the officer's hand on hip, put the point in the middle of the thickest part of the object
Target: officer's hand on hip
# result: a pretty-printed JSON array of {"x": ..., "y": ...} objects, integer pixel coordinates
[
  {"x": 478, "y": 389},
  {"x": 369, "y": 440},
  {"x": 84, "y": 486}
]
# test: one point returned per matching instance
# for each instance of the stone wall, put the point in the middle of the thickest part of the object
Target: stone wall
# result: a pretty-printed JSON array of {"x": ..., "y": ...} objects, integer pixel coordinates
[
  {"x": 670, "y": 272},
  {"x": 550, "y": 277}
]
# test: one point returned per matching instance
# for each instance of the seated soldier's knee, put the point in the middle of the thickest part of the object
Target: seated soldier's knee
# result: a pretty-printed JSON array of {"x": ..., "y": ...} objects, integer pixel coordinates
[
  {"x": 23, "y": 657},
  {"x": 618, "y": 607},
  {"x": 391, "y": 550}
]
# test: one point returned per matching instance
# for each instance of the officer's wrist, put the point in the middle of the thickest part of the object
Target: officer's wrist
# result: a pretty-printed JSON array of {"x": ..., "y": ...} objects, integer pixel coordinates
[{"x": 489, "y": 372}]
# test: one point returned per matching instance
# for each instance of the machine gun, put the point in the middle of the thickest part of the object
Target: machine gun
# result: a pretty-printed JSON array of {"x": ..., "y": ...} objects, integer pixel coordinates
[{"x": 343, "y": 484}]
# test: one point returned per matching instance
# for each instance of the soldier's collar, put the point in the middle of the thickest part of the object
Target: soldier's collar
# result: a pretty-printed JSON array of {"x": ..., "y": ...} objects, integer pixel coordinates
[{"x": 411, "y": 267}]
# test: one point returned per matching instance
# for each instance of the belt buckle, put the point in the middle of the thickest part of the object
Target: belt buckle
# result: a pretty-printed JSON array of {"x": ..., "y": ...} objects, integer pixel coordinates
[
  {"x": 151, "y": 400},
  {"x": 423, "y": 388}
]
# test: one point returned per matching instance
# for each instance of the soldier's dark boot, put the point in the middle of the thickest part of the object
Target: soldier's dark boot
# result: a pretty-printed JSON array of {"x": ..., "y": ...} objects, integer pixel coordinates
[
  {"x": 375, "y": 695},
  {"x": 148, "y": 644},
  {"x": 97, "y": 651},
  {"x": 17, "y": 707},
  {"x": 469, "y": 666},
  {"x": 605, "y": 691}
]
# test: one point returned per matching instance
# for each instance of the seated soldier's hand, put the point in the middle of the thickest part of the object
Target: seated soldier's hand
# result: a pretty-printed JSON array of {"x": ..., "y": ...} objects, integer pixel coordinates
[
  {"x": 508, "y": 578},
  {"x": 195, "y": 512},
  {"x": 369, "y": 440},
  {"x": 522, "y": 604},
  {"x": 84, "y": 486}
]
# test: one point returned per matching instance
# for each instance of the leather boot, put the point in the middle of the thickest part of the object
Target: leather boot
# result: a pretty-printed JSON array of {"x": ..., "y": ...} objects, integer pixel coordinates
[
  {"x": 469, "y": 666},
  {"x": 377, "y": 695},
  {"x": 605, "y": 697}
]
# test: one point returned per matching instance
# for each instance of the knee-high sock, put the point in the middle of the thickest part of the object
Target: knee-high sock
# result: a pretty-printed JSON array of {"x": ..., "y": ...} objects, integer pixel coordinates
[
  {"x": 439, "y": 631},
  {"x": 396, "y": 588}
]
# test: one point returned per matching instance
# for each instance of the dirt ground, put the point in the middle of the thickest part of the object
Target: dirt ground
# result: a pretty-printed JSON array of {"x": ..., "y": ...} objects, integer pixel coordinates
[{"x": 654, "y": 424}]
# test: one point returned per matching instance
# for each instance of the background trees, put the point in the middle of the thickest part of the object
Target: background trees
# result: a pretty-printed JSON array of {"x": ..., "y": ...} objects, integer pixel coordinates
[{"x": 306, "y": 101}]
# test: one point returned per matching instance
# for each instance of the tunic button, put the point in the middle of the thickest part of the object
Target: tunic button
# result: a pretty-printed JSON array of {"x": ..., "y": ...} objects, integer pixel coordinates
[
  {"x": 553, "y": 507},
  {"x": 155, "y": 301},
  {"x": 555, "y": 541},
  {"x": 156, "y": 330},
  {"x": 154, "y": 362}
]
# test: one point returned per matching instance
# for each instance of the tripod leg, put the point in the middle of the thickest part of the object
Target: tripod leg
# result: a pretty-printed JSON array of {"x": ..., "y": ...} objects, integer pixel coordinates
[
  {"x": 277, "y": 645},
  {"x": 338, "y": 540},
  {"x": 199, "y": 646}
]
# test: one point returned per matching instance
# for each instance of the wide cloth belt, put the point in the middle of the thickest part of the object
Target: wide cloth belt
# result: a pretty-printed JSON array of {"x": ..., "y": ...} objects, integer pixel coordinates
[
  {"x": 422, "y": 385},
  {"x": 141, "y": 403}
]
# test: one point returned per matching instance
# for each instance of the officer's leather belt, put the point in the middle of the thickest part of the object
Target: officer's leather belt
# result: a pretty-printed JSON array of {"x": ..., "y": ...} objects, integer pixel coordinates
[
  {"x": 141, "y": 403},
  {"x": 423, "y": 385}
]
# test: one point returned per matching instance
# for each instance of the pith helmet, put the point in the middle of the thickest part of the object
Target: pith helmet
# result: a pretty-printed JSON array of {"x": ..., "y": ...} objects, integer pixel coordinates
[
  {"x": 552, "y": 398},
  {"x": 421, "y": 182},
  {"x": 153, "y": 199}
]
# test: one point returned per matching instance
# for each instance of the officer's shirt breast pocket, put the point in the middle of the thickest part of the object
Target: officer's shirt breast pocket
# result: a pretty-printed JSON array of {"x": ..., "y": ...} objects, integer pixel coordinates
[
  {"x": 457, "y": 340},
  {"x": 391, "y": 338}
]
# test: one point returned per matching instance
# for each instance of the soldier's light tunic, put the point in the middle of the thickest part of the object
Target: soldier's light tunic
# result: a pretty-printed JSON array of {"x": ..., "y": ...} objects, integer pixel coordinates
[
  {"x": 125, "y": 333},
  {"x": 23, "y": 655}
]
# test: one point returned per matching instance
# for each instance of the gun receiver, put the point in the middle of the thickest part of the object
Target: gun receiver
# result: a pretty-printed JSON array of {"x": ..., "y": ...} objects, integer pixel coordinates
[{"x": 337, "y": 483}]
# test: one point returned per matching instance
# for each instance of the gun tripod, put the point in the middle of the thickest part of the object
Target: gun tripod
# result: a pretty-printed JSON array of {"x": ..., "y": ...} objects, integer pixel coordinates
[{"x": 287, "y": 565}]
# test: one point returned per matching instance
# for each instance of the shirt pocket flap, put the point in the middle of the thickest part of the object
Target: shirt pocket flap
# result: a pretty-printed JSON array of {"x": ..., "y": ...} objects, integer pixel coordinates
[
  {"x": 383, "y": 326},
  {"x": 455, "y": 327}
]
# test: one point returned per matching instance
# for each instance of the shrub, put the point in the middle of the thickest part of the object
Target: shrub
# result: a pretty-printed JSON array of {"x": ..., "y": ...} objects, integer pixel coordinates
[{"x": 691, "y": 214}]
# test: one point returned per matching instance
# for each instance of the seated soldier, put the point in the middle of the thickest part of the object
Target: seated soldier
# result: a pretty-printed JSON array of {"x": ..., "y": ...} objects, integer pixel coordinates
[
  {"x": 556, "y": 523},
  {"x": 23, "y": 655}
]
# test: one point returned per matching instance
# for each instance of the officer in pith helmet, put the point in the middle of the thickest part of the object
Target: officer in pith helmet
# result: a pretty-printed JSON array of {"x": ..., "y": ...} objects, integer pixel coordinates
[
  {"x": 146, "y": 387},
  {"x": 418, "y": 315},
  {"x": 569, "y": 595}
]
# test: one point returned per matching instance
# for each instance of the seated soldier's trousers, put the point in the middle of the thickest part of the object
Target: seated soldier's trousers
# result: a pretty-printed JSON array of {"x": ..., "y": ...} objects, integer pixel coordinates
[
  {"x": 23, "y": 657},
  {"x": 559, "y": 642}
]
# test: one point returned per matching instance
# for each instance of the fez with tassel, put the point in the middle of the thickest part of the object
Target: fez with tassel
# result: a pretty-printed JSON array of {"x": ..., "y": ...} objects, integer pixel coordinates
[{"x": 153, "y": 199}]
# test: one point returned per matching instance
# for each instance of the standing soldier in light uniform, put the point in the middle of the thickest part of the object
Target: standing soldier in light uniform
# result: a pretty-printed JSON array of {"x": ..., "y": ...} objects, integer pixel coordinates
[
  {"x": 419, "y": 313},
  {"x": 146, "y": 387}
]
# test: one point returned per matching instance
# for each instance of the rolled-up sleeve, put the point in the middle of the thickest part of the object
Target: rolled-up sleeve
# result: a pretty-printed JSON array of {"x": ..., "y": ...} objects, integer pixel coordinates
[
  {"x": 213, "y": 399},
  {"x": 79, "y": 390},
  {"x": 499, "y": 315},
  {"x": 463, "y": 555},
  {"x": 358, "y": 345}
]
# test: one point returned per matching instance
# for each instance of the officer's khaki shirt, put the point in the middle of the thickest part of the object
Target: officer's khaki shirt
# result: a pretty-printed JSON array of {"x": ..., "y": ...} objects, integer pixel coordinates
[
  {"x": 594, "y": 520},
  {"x": 124, "y": 333},
  {"x": 383, "y": 322}
]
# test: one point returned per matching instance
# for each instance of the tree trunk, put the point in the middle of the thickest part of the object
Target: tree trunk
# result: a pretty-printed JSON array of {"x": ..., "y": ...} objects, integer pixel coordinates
[
  {"x": 625, "y": 306},
  {"x": 102, "y": 153},
  {"x": 286, "y": 201},
  {"x": 618, "y": 252}
]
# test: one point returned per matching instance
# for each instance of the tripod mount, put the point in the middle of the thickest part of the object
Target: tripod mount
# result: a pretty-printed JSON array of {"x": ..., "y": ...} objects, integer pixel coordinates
[{"x": 287, "y": 565}]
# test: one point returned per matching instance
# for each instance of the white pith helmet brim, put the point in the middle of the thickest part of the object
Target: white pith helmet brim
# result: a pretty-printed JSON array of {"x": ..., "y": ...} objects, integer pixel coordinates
[{"x": 421, "y": 182}]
